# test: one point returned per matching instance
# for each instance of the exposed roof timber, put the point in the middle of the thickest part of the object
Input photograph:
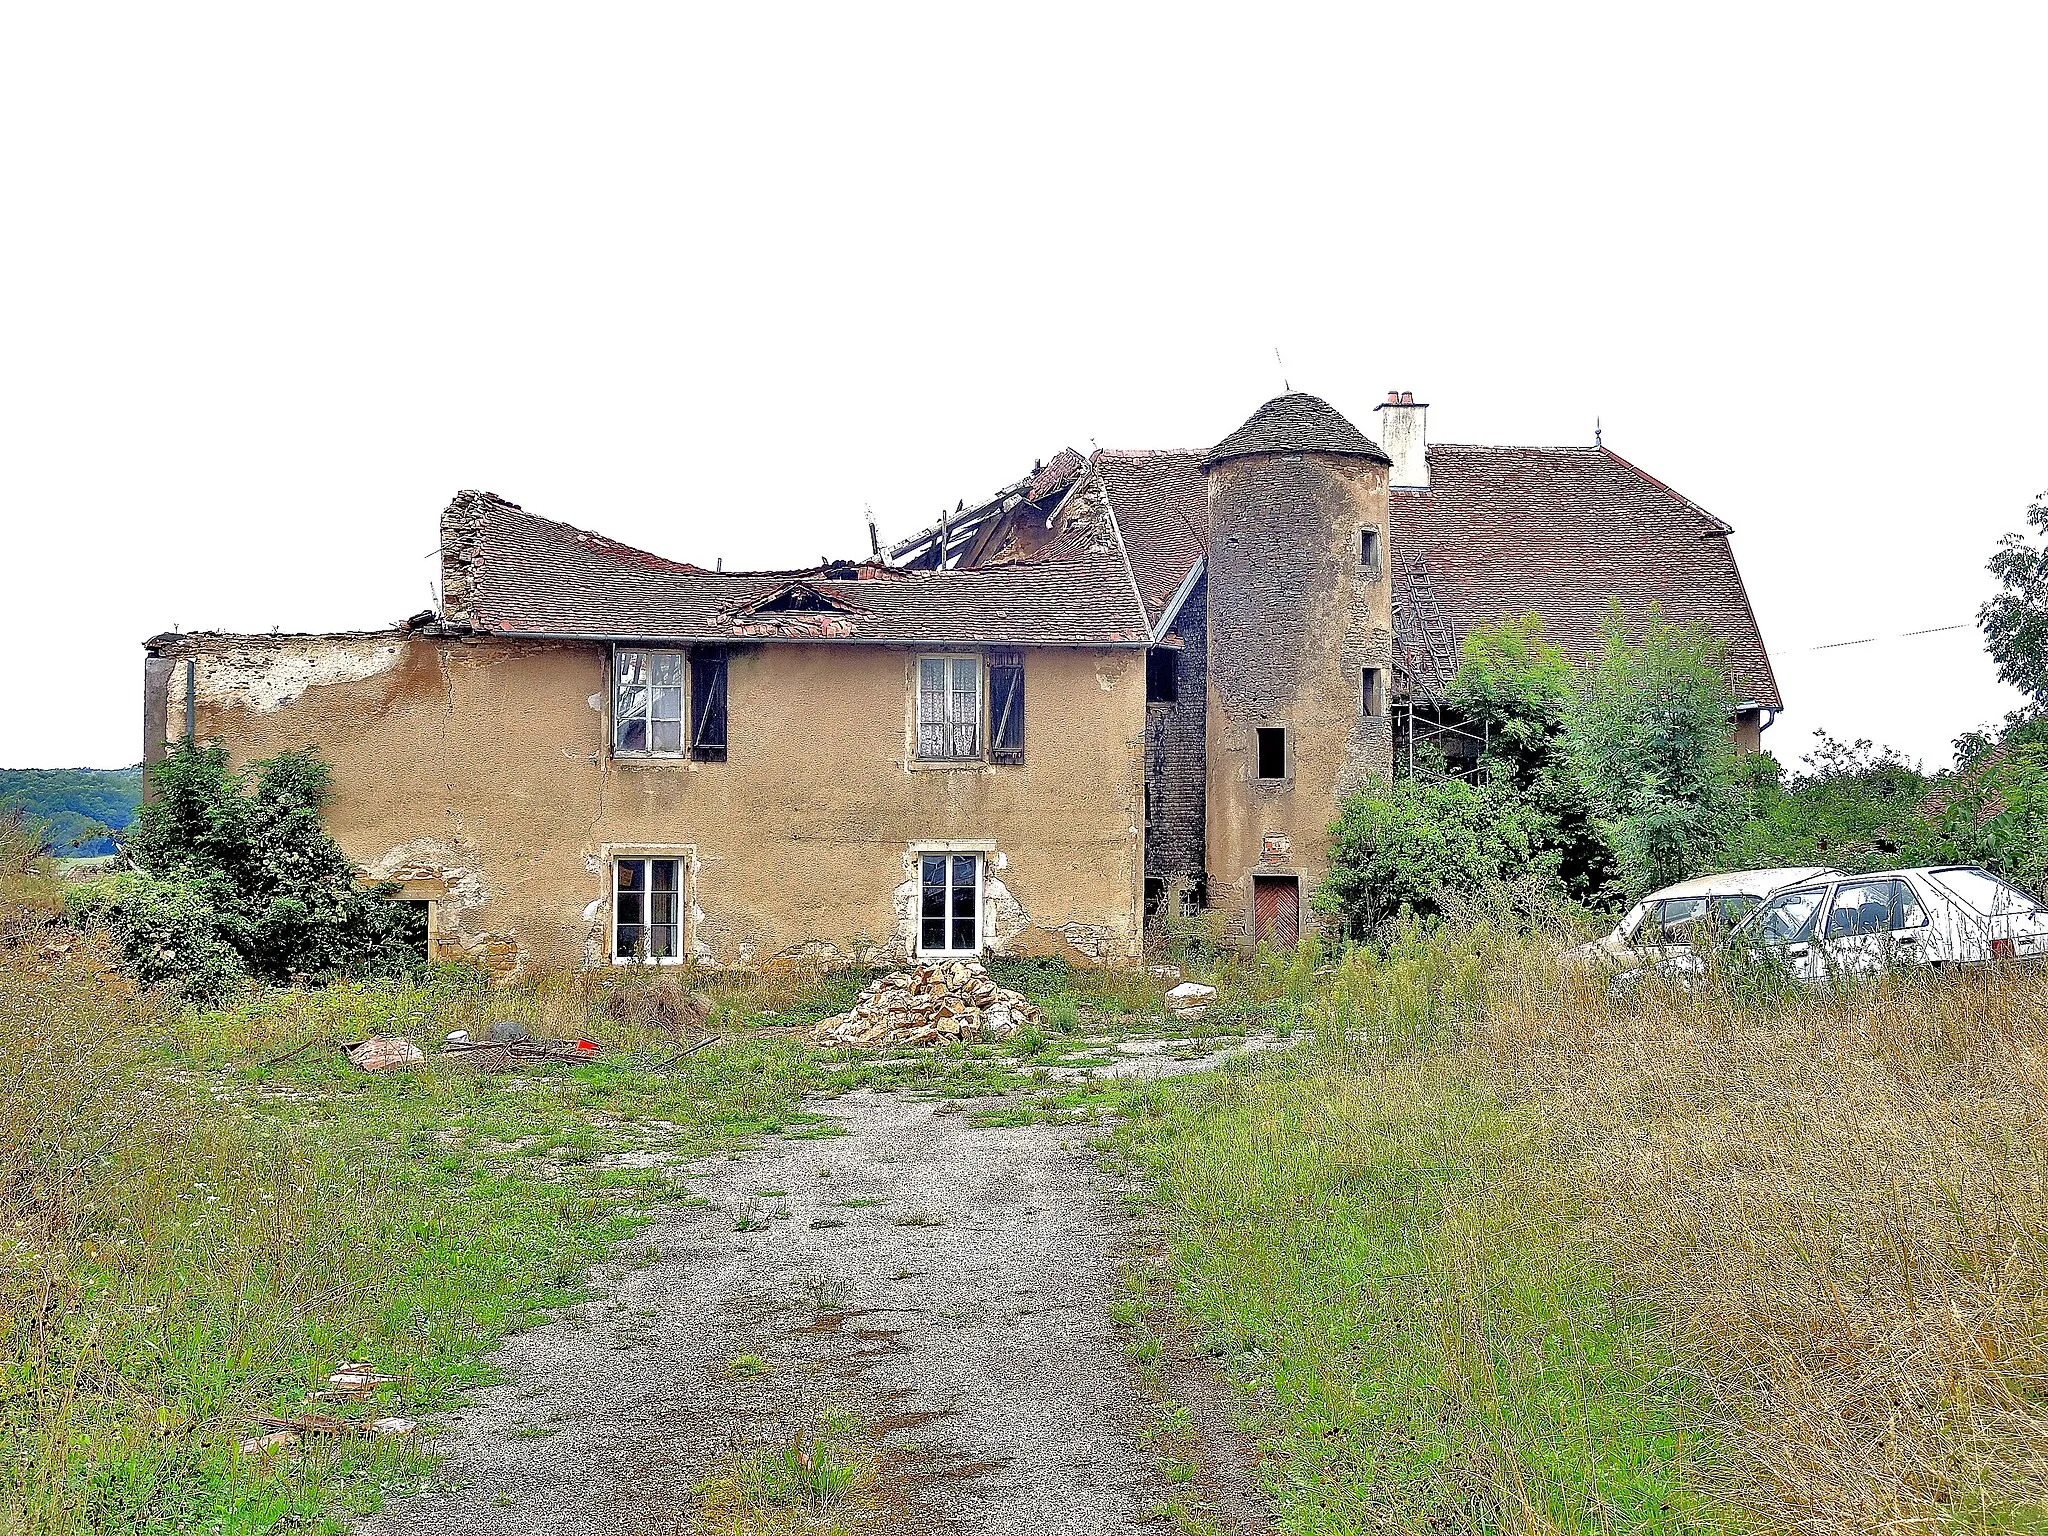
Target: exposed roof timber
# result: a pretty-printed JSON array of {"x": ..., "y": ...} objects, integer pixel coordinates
[{"x": 1179, "y": 600}]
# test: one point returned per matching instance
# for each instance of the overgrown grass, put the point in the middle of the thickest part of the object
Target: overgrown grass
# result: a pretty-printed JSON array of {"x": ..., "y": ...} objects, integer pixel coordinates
[
  {"x": 209, "y": 1211},
  {"x": 1489, "y": 1252},
  {"x": 194, "y": 1239}
]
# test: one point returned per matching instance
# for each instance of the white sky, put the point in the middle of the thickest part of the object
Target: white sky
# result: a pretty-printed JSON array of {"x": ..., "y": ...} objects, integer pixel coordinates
[{"x": 277, "y": 280}]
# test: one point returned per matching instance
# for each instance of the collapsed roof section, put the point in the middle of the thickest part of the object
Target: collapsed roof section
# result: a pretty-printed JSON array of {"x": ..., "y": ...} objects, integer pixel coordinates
[
  {"x": 507, "y": 572},
  {"x": 1102, "y": 550}
]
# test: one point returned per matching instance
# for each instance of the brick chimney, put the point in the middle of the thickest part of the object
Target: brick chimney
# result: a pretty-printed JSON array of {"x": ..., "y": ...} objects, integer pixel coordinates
[{"x": 1398, "y": 423}]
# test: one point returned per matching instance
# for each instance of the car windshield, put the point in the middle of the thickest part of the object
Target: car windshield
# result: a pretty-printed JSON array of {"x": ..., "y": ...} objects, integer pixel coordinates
[
  {"x": 1984, "y": 892},
  {"x": 1787, "y": 918},
  {"x": 1730, "y": 910}
]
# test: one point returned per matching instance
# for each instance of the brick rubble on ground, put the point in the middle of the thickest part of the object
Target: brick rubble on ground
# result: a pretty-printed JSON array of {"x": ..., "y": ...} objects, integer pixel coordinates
[{"x": 946, "y": 1000}]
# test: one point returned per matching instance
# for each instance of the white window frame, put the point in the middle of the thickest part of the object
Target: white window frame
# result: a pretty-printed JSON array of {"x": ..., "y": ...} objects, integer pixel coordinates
[
  {"x": 952, "y": 661},
  {"x": 647, "y": 858},
  {"x": 647, "y": 715},
  {"x": 950, "y": 853}
]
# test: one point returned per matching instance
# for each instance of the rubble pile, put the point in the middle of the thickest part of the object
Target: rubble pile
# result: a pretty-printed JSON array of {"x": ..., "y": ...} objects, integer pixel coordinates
[{"x": 949, "y": 1000}]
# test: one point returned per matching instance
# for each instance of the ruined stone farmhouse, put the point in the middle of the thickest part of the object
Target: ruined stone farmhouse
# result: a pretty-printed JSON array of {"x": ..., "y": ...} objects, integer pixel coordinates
[{"x": 1127, "y": 684}]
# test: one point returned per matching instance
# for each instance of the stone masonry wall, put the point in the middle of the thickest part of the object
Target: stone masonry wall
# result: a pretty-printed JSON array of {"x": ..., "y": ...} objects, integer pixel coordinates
[{"x": 1294, "y": 618}]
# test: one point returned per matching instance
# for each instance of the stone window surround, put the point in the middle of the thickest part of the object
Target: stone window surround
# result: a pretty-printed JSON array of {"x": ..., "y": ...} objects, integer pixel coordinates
[
  {"x": 983, "y": 851},
  {"x": 685, "y": 855}
]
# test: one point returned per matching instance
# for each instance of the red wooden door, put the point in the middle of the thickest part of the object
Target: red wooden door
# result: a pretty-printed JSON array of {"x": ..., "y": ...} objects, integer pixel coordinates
[{"x": 1276, "y": 910}]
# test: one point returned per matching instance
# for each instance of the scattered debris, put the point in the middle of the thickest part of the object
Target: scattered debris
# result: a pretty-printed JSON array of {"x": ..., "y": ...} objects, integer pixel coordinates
[
  {"x": 1190, "y": 1000},
  {"x": 943, "y": 1001},
  {"x": 380, "y": 1053},
  {"x": 1164, "y": 972},
  {"x": 357, "y": 1380},
  {"x": 507, "y": 1032},
  {"x": 286, "y": 1434},
  {"x": 503, "y": 1052},
  {"x": 689, "y": 1050},
  {"x": 278, "y": 1061}
]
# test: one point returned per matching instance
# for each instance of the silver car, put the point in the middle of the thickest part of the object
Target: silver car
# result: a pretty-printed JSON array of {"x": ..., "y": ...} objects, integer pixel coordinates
[{"x": 1952, "y": 914}]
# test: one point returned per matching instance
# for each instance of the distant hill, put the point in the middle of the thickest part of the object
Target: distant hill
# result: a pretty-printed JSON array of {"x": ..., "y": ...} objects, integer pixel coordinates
[{"x": 81, "y": 805}]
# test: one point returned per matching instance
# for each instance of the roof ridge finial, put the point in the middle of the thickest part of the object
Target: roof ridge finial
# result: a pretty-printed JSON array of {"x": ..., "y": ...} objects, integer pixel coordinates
[
  {"x": 1596, "y": 433},
  {"x": 1285, "y": 387}
]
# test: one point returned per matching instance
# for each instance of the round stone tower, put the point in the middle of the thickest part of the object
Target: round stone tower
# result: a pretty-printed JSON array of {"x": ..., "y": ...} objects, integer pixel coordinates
[{"x": 1300, "y": 653}]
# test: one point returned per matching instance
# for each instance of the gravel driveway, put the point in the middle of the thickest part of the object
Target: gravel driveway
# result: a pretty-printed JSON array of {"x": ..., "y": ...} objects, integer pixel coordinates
[{"x": 945, "y": 1284}]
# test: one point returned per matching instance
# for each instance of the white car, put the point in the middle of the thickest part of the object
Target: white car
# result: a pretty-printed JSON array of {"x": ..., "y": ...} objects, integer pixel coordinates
[
  {"x": 1949, "y": 915},
  {"x": 1671, "y": 921}
]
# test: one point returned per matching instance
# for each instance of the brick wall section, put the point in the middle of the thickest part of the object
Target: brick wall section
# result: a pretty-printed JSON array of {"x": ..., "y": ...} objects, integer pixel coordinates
[{"x": 1176, "y": 760}]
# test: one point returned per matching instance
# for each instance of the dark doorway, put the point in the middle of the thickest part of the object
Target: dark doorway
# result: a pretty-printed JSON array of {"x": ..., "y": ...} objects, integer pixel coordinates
[{"x": 1276, "y": 910}]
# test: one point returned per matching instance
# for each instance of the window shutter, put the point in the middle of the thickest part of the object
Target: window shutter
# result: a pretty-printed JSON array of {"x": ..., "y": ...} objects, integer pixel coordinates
[
  {"x": 1006, "y": 707},
  {"x": 707, "y": 703}
]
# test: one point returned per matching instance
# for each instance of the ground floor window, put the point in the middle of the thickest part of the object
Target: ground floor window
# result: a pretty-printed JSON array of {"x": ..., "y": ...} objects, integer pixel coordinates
[
  {"x": 647, "y": 903},
  {"x": 949, "y": 908}
]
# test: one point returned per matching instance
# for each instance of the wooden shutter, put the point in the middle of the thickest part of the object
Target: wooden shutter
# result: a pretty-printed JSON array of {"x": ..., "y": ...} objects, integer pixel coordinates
[
  {"x": 707, "y": 703},
  {"x": 1006, "y": 707}
]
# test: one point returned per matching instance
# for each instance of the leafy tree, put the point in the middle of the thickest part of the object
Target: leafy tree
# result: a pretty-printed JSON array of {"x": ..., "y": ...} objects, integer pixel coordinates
[
  {"x": 1401, "y": 847},
  {"x": 2015, "y": 621},
  {"x": 83, "y": 807},
  {"x": 1851, "y": 805},
  {"x": 1522, "y": 690},
  {"x": 1652, "y": 739},
  {"x": 238, "y": 862},
  {"x": 1996, "y": 814}
]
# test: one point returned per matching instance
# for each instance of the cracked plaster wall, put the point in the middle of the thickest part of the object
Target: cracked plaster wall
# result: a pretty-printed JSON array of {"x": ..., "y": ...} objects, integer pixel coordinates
[
  {"x": 475, "y": 772},
  {"x": 1294, "y": 618}
]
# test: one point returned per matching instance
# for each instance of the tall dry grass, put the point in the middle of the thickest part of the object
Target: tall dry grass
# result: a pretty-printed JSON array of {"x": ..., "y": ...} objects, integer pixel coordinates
[
  {"x": 1837, "y": 1204},
  {"x": 1493, "y": 1251}
]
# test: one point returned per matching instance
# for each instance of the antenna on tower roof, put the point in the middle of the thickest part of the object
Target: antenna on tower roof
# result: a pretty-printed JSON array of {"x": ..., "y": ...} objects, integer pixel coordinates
[
  {"x": 1285, "y": 387},
  {"x": 1596, "y": 433},
  {"x": 874, "y": 533}
]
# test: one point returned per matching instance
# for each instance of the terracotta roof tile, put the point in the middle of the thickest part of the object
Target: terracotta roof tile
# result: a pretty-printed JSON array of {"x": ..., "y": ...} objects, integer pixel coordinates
[
  {"x": 1161, "y": 503},
  {"x": 1297, "y": 423},
  {"x": 1561, "y": 531},
  {"x": 532, "y": 576}
]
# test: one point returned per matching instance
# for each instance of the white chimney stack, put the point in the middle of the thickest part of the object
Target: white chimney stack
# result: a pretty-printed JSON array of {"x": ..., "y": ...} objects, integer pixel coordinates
[{"x": 1398, "y": 421}]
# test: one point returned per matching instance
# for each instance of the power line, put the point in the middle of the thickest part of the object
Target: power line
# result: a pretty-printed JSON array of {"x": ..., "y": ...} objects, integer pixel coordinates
[{"x": 1939, "y": 629}]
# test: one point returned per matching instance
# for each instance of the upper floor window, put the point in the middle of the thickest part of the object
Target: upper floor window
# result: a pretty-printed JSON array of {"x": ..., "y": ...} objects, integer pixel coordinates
[
  {"x": 1272, "y": 752},
  {"x": 949, "y": 707},
  {"x": 1162, "y": 676},
  {"x": 647, "y": 703},
  {"x": 1369, "y": 551},
  {"x": 648, "y": 717},
  {"x": 707, "y": 703}
]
